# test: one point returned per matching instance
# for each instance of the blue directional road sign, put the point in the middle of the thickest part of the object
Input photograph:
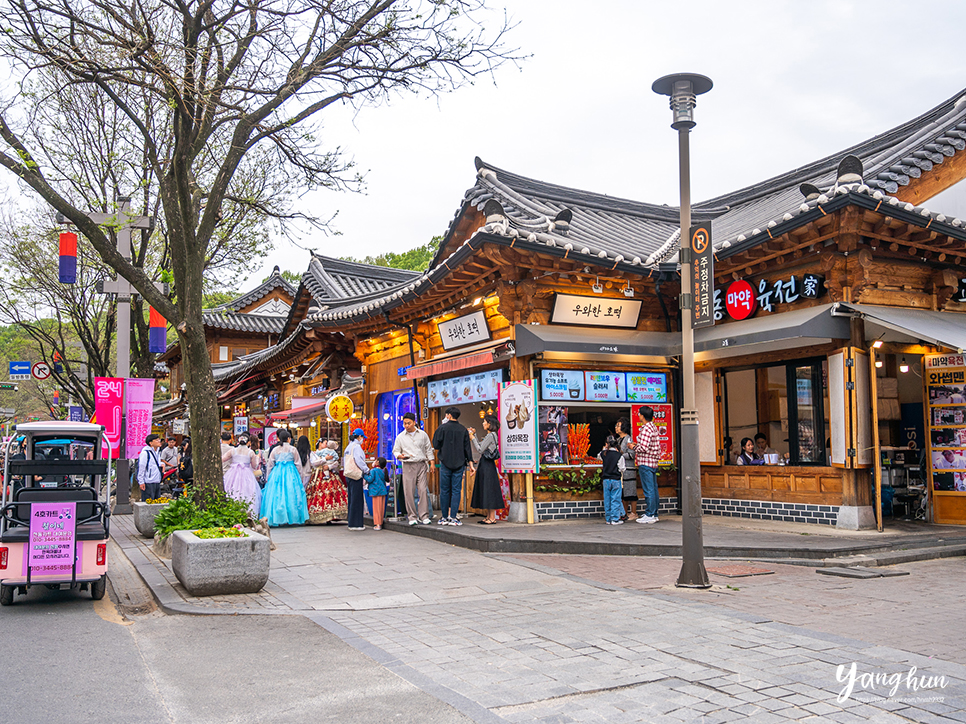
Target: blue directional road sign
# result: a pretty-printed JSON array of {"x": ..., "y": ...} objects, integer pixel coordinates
[{"x": 20, "y": 370}]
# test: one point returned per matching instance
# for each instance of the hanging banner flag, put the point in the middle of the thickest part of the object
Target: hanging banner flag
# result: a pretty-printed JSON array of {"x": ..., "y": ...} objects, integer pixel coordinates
[
  {"x": 108, "y": 406},
  {"x": 157, "y": 332},
  {"x": 67, "y": 267},
  {"x": 138, "y": 408}
]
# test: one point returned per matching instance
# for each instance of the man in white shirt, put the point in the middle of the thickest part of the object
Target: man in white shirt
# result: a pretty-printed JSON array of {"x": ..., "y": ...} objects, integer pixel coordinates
[
  {"x": 149, "y": 468},
  {"x": 414, "y": 450},
  {"x": 225, "y": 449},
  {"x": 950, "y": 461}
]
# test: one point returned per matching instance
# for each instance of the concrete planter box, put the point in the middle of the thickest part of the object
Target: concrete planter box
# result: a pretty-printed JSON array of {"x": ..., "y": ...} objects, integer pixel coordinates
[
  {"x": 222, "y": 565},
  {"x": 144, "y": 514}
]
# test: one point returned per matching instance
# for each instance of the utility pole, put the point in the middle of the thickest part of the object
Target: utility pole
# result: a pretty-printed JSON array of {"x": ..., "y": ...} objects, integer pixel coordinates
[{"x": 122, "y": 222}]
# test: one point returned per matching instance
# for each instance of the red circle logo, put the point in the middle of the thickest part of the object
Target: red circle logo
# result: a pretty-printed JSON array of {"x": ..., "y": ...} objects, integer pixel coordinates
[{"x": 740, "y": 300}]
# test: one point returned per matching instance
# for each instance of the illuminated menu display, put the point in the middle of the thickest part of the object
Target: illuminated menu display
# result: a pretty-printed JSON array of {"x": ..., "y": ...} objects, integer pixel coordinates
[
  {"x": 647, "y": 387},
  {"x": 605, "y": 386}
]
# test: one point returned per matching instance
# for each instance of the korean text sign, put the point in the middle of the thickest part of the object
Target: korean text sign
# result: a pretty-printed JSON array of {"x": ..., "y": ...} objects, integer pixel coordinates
[
  {"x": 139, "y": 407},
  {"x": 52, "y": 530},
  {"x": 108, "y": 407},
  {"x": 702, "y": 276},
  {"x": 465, "y": 330},
  {"x": 518, "y": 427}
]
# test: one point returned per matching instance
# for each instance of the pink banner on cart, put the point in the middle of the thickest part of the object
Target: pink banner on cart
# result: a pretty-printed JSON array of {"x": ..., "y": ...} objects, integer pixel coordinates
[
  {"x": 108, "y": 405},
  {"x": 52, "y": 529},
  {"x": 139, "y": 407}
]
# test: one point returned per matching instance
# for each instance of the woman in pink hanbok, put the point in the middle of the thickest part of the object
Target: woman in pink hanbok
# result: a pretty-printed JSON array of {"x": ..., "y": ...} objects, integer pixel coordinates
[{"x": 240, "y": 482}]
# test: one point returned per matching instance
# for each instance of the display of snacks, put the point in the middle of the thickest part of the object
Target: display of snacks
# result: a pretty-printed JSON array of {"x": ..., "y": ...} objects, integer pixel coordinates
[{"x": 578, "y": 441}]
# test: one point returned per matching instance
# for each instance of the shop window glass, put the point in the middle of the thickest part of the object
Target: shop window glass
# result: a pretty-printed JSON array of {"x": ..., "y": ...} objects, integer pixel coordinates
[{"x": 786, "y": 402}]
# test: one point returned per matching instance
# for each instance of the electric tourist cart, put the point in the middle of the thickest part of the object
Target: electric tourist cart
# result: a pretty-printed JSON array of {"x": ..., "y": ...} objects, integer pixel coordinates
[{"x": 54, "y": 513}]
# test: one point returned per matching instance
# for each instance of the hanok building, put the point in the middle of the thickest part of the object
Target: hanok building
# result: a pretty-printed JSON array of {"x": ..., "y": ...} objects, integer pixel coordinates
[{"x": 839, "y": 332}]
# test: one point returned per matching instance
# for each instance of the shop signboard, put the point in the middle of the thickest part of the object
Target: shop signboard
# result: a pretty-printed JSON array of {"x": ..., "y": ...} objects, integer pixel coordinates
[
  {"x": 647, "y": 387},
  {"x": 702, "y": 276},
  {"x": 664, "y": 421},
  {"x": 605, "y": 386},
  {"x": 241, "y": 425},
  {"x": 463, "y": 331},
  {"x": 562, "y": 385},
  {"x": 179, "y": 427},
  {"x": 595, "y": 311},
  {"x": 52, "y": 533},
  {"x": 339, "y": 408},
  {"x": 479, "y": 387},
  {"x": 945, "y": 377},
  {"x": 518, "y": 427}
]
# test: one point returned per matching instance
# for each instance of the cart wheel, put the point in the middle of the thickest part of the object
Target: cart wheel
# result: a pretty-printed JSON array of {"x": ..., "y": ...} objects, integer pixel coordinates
[
  {"x": 6, "y": 595},
  {"x": 98, "y": 588}
]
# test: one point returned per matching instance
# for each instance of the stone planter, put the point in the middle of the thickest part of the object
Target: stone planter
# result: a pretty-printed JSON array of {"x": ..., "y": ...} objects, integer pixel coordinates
[
  {"x": 221, "y": 565},
  {"x": 144, "y": 514}
]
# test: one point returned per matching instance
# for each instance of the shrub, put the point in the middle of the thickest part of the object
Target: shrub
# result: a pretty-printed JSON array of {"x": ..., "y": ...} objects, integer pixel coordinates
[{"x": 213, "y": 509}]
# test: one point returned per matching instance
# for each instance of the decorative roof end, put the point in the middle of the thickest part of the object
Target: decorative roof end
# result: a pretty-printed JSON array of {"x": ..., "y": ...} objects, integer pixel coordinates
[{"x": 850, "y": 171}]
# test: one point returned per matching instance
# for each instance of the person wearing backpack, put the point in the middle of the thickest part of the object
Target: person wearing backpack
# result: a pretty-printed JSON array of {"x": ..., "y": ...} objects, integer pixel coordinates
[{"x": 612, "y": 472}]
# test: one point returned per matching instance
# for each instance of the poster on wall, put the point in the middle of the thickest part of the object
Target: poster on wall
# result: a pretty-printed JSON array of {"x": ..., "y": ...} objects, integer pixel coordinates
[
  {"x": 647, "y": 387},
  {"x": 562, "y": 385},
  {"x": 945, "y": 378},
  {"x": 664, "y": 421},
  {"x": 269, "y": 437},
  {"x": 518, "y": 427},
  {"x": 605, "y": 386},
  {"x": 552, "y": 428}
]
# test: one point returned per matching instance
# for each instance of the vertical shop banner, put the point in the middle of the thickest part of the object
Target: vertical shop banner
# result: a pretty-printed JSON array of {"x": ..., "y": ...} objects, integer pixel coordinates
[
  {"x": 108, "y": 407},
  {"x": 664, "y": 421},
  {"x": 945, "y": 378},
  {"x": 702, "y": 276},
  {"x": 52, "y": 529},
  {"x": 76, "y": 413},
  {"x": 241, "y": 425},
  {"x": 518, "y": 427},
  {"x": 270, "y": 437},
  {"x": 138, "y": 409}
]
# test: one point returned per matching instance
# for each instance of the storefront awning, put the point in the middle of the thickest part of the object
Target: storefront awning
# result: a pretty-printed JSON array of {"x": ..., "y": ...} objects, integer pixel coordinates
[
  {"x": 573, "y": 341},
  {"x": 785, "y": 330},
  {"x": 945, "y": 329},
  {"x": 464, "y": 359}
]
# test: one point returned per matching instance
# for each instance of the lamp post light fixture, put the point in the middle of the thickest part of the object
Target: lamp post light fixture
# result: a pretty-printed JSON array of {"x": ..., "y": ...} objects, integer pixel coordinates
[{"x": 683, "y": 89}]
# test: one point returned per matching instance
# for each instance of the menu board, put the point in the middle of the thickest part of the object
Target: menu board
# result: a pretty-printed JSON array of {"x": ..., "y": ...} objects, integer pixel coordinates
[
  {"x": 562, "y": 385},
  {"x": 946, "y": 384},
  {"x": 664, "y": 421},
  {"x": 647, "y": 387},
  {"x": 605, "y": 386},
  {"x": 479, "y": 387}
]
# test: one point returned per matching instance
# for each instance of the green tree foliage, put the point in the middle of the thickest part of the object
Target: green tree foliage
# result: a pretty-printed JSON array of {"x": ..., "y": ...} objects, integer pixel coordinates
[{"x": 417, "y": 259}]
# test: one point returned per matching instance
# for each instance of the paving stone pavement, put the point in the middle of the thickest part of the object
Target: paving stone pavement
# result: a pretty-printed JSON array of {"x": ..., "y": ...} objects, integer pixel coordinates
[{"x": 533, "y": 645}]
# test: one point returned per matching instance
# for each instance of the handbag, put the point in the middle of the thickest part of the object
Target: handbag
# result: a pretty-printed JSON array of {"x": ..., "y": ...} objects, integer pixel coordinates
[{"x": 352, "y": 469}]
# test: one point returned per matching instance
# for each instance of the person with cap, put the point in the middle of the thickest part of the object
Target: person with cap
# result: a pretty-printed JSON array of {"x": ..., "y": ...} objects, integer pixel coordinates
[
  {"x": 354, "y": 467},
  {"x": 149, "y": 468}
]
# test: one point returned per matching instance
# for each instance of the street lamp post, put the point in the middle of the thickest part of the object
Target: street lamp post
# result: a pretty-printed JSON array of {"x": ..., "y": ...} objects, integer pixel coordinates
[{"x": 683, "y": 88}]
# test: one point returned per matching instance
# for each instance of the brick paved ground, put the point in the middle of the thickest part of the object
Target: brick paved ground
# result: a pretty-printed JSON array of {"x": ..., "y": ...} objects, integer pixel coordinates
[
  {"x": 535, "y": 645},
  {"x": 909, "y": 612}
]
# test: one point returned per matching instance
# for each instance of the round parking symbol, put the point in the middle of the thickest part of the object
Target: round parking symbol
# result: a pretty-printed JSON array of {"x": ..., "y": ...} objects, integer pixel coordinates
[{"x": 40, "y": 371}]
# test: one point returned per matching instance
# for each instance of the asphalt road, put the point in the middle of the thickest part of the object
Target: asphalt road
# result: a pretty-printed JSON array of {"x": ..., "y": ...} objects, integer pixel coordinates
[{"x": 67, "y": 658}]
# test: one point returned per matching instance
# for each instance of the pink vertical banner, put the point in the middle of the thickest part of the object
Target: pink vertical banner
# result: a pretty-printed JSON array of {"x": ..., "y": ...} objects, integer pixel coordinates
[
  {"x": 108, "y": 405},
  {"x": 52, "y": 528},
  {"x": 138, "y": 409}
]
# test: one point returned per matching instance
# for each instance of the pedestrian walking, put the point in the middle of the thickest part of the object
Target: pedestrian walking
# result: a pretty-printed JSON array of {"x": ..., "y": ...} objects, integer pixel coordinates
[
  {"x": 283, "y": 500},
  {"x": 240, "y": 481},
  {"x": 629, "y": 480},
  {"x": 355, "y": 467},
  {"x": 304, "y": 460},
  {"x": 647, "y": 456},
  {"x": 487, "y": 493},
  {"x": 149, "y": 468},
  {"x": 414, "y": 450},
  {"x": 225, "y": 448},
  {"x": 452, "y": 441},
  {"x": 612, "y": 473},
  {"x": 376, "y": 480}
]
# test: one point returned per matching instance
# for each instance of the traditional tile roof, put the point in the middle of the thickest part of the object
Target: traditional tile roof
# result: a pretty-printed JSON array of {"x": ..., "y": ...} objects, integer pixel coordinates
[
  {"x": 240, "y": 322},
  {"x": 275, "y": 281},
  {"x": 329, "y": 279}
]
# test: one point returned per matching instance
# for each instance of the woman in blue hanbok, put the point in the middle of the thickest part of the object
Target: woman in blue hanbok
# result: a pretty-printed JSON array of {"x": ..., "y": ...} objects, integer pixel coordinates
[{"x": 283, "y": 501}]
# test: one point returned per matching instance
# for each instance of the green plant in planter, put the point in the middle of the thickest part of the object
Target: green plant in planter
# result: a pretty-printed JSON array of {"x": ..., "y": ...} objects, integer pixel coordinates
[
  {"x": 214, "y": 509},
  {"x": 573, "y": 480},
  {"x": 211, "y": 533}
]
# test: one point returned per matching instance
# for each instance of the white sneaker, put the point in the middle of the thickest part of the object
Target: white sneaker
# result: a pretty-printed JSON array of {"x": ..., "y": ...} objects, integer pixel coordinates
[
  {"x": 455, "y": 521},
  {"x": 647, "y": 519},
  {"x": 443, "y": 521},
  {"x": 618, "y": 522},
  {"x": 412, "y": 522},
  {"x": 356, "y": 529},
  {"x": 424, "y": 521}
]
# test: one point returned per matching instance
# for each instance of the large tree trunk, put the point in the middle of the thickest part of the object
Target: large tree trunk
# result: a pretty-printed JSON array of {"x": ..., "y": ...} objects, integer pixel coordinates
[{"x": 204, "y": 410}]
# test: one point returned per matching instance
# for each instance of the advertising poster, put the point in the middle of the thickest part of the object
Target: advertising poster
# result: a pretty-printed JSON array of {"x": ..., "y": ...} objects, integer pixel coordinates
[
  {"x": 945, "y": 378},
  {"x": 647, "y": 387},
  {"x": 241, "y": 426},
  {"x": 605, "y": 386},
  {"x": 552, "y": 428},
  {"x": 269, "y": 437},
  {"x": 139, "y": 407},
  {"x": 664, "y": 421},
  {"x": 562, "y": 385},
  {"x": 518, "y": 427},
  {"x": 52, "y": 528},
  {"x": 108, "y": 407}
]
